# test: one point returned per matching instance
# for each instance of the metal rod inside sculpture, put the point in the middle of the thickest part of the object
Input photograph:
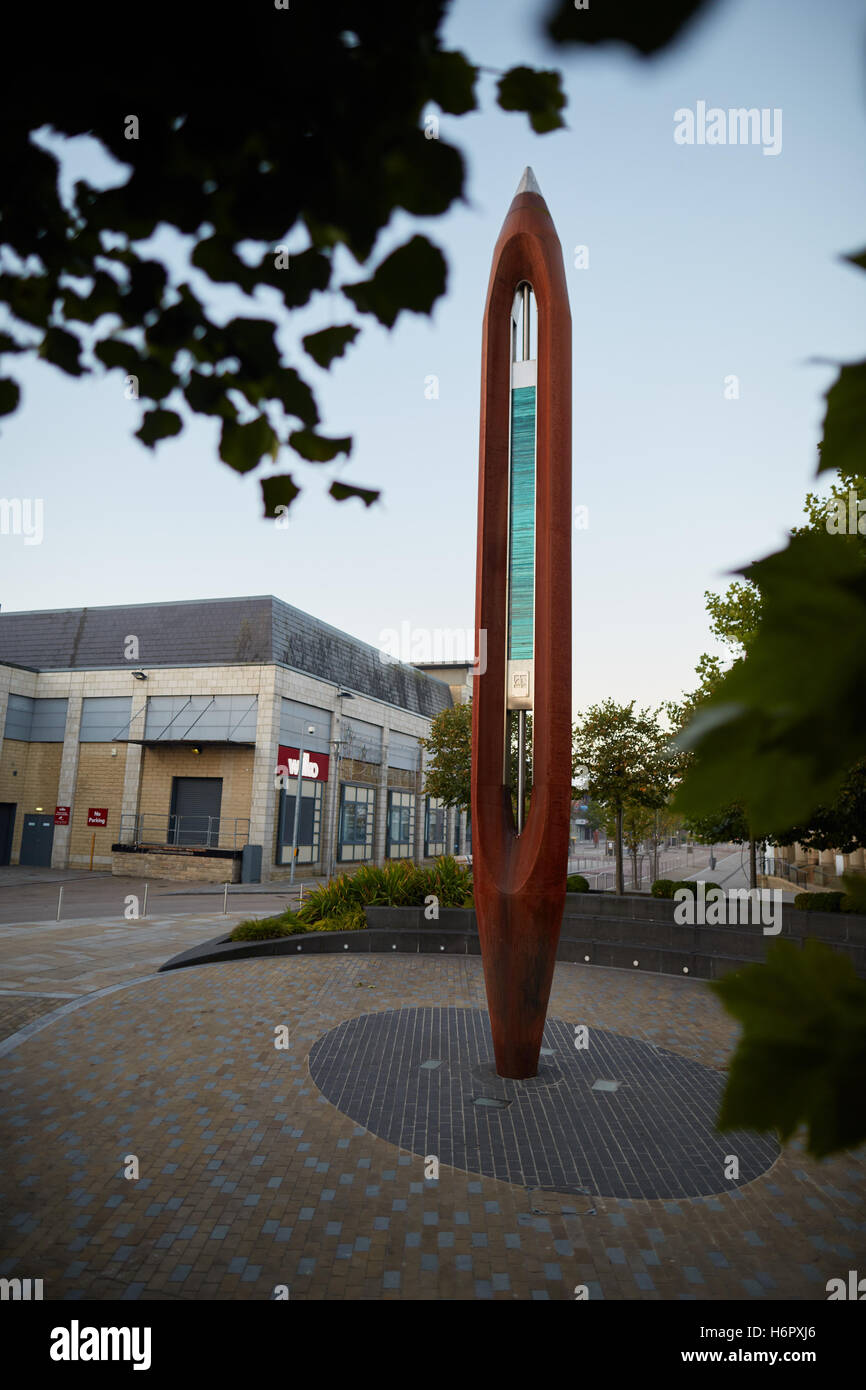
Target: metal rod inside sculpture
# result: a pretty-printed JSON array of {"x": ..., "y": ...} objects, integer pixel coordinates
[
  {"x": 523, "y": 604},
  {"x": 521, "y": 529}
]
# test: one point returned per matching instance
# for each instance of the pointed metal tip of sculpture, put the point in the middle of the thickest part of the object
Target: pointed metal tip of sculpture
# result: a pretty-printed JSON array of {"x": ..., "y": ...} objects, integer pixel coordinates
[{"x": 529, "y": 183}]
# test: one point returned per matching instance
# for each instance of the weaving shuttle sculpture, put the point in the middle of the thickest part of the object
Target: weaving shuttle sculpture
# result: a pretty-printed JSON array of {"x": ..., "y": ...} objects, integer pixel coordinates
[{"x": 523, "y": 604}]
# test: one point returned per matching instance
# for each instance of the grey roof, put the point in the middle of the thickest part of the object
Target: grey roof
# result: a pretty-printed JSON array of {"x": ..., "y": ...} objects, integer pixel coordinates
[{"x": 214, "y": 632}]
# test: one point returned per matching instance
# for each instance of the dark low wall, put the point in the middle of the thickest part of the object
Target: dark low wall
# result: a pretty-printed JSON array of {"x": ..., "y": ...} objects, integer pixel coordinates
[{"x": 631, "y": 933}]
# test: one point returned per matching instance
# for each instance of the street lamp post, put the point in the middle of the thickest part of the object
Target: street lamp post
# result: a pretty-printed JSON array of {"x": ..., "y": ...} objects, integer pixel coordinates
[
  {"x": 337, "y": 745},
  {"x": 311, "y": 729}
]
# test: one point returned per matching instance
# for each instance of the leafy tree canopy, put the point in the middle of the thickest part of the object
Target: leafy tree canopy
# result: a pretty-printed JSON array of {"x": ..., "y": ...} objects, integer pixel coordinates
[
  {"x": 305, "y": 126},
  {"x": 449, "y": 772},
  {"x": 268, "y": 126}
]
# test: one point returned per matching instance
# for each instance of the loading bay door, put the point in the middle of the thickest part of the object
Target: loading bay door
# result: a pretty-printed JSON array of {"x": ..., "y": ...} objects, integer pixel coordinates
[
  {"x": 37, "y": 839},
  {"x": 195, "y": 811}
]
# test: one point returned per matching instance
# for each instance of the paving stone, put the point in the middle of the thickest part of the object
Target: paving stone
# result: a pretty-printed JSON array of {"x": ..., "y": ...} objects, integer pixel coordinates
[{"x": 73, "y": 1102}]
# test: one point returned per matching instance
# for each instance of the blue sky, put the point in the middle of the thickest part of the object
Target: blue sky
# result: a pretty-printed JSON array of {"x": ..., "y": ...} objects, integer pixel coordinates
[{"x": 704, "y": 262}]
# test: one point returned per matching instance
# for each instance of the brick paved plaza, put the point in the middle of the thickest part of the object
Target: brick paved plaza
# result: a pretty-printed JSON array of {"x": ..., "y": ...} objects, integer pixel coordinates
[{"x": 251, "y": 1178}]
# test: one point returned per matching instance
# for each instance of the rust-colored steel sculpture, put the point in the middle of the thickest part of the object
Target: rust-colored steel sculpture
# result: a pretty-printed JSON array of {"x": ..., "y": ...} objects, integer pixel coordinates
[{"x": 520, "y": 870}]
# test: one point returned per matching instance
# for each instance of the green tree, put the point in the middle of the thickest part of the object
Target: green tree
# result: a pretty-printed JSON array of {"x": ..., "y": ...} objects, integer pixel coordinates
[
  {"x": 637, "y": 825},
  {"x": 620, "y": 757},
  {"x": 735, "y": 616},
  {"x": 735, "y": 621},
  {"x": 785, "y": 727},
  {"x": 449, "y": 773}
]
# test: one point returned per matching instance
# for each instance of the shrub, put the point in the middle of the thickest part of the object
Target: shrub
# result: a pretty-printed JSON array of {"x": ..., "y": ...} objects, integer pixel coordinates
[
  {"x": 329, "y": 899},
  {"x": 451, "y": 882},
  {"x": 686, "y": 883},
  {"x": 268, "y": 928},
  {"x": 398, "y": 884},
  {"x": 663, "y": 888},
  {"x": 351, "y": 919},
  {"x": 576, "y": 883},
  {"x": 821, "y": 902}
]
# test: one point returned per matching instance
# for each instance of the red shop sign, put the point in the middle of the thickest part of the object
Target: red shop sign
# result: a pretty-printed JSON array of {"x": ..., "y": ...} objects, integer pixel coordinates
[
  {"x": 61, "y": 815},
  {"x": 316, "y": 765}
]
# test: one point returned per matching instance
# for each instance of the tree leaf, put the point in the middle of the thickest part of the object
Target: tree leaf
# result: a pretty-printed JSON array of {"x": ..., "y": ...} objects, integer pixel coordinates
[
  {"x": 802, "y": 1054},
  {"x": 278, "y": 492},
  {"x": 252, "y": 341},
  {"x": 104, "y": 298},
  {"x": 845, "y": 421},
  {"x": 174, "y": 327},
  {"x": 28, "y": 296},
  {"x": 216, "y": 257},
  {"x": 538, "y": 93},
  {"x": 243, "y": 446},
  {"x": 340, "y": 491},
  {"x": 158, "y": 424},
  {"x": 207, "y": 396},
  {"x": 155, "y": 380},
  {"x": 62, "y": 349},
  {"x": 412, "y": 277},
  {"x": 10, "y": 395},
  {"x": 316, "y": 449},
  {"x": 306, "y": 273},
  {"x": 323, "y": 347},
  {"x": 645, "y": 27},
  {"x": 293, "y": 393},
  {"x": 785, "y": 725},
  {"x": 855, "y": 887},
  {"x": 147, "y": 283},
  {"x": 425, "y": 175},
  {"x": 452, "y": 82},
  {"x": 114, "y": 352}
]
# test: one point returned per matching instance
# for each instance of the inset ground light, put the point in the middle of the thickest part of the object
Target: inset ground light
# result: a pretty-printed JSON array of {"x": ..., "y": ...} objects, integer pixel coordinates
[{"x": 619, "y": 1118}]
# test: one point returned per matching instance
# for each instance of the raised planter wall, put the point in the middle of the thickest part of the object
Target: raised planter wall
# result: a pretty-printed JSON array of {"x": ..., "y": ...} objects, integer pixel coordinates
[{"x": 631, "y": 933}]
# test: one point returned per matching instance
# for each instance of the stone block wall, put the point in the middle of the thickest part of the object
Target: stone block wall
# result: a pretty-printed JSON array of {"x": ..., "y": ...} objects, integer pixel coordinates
[
  {"x": 199, "y": 868},
  {"x": 29, "y": 777}
]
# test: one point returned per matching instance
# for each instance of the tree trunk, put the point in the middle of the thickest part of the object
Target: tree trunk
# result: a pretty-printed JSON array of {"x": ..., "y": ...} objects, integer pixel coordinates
[
  {"x": 753, "y": 864},
  {"x": 620, "y": 885}
]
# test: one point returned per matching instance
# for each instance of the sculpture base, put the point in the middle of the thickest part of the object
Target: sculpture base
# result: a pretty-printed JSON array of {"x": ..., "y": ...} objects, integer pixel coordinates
[{"x": 620, "y": 1118}]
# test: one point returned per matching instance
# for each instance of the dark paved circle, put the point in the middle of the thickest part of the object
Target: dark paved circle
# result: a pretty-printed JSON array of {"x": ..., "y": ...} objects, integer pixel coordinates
[{"x": 416, "y": 1076}]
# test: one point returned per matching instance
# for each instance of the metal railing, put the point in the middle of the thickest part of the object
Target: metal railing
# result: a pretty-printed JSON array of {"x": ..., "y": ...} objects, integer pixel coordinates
[
  {"x": 797, "y": 874},
  {"x": 671, "y": 864},
  {"x": 184, "y": 832}
]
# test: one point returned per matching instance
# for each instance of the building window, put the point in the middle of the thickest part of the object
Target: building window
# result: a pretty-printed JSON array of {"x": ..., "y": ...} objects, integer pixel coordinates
[
  {"x": 309, "y": 824},
  {"x": 434, "y": 828},
  {"x": 401, "y": 825},
  {"x": 357, "y": 818}
]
